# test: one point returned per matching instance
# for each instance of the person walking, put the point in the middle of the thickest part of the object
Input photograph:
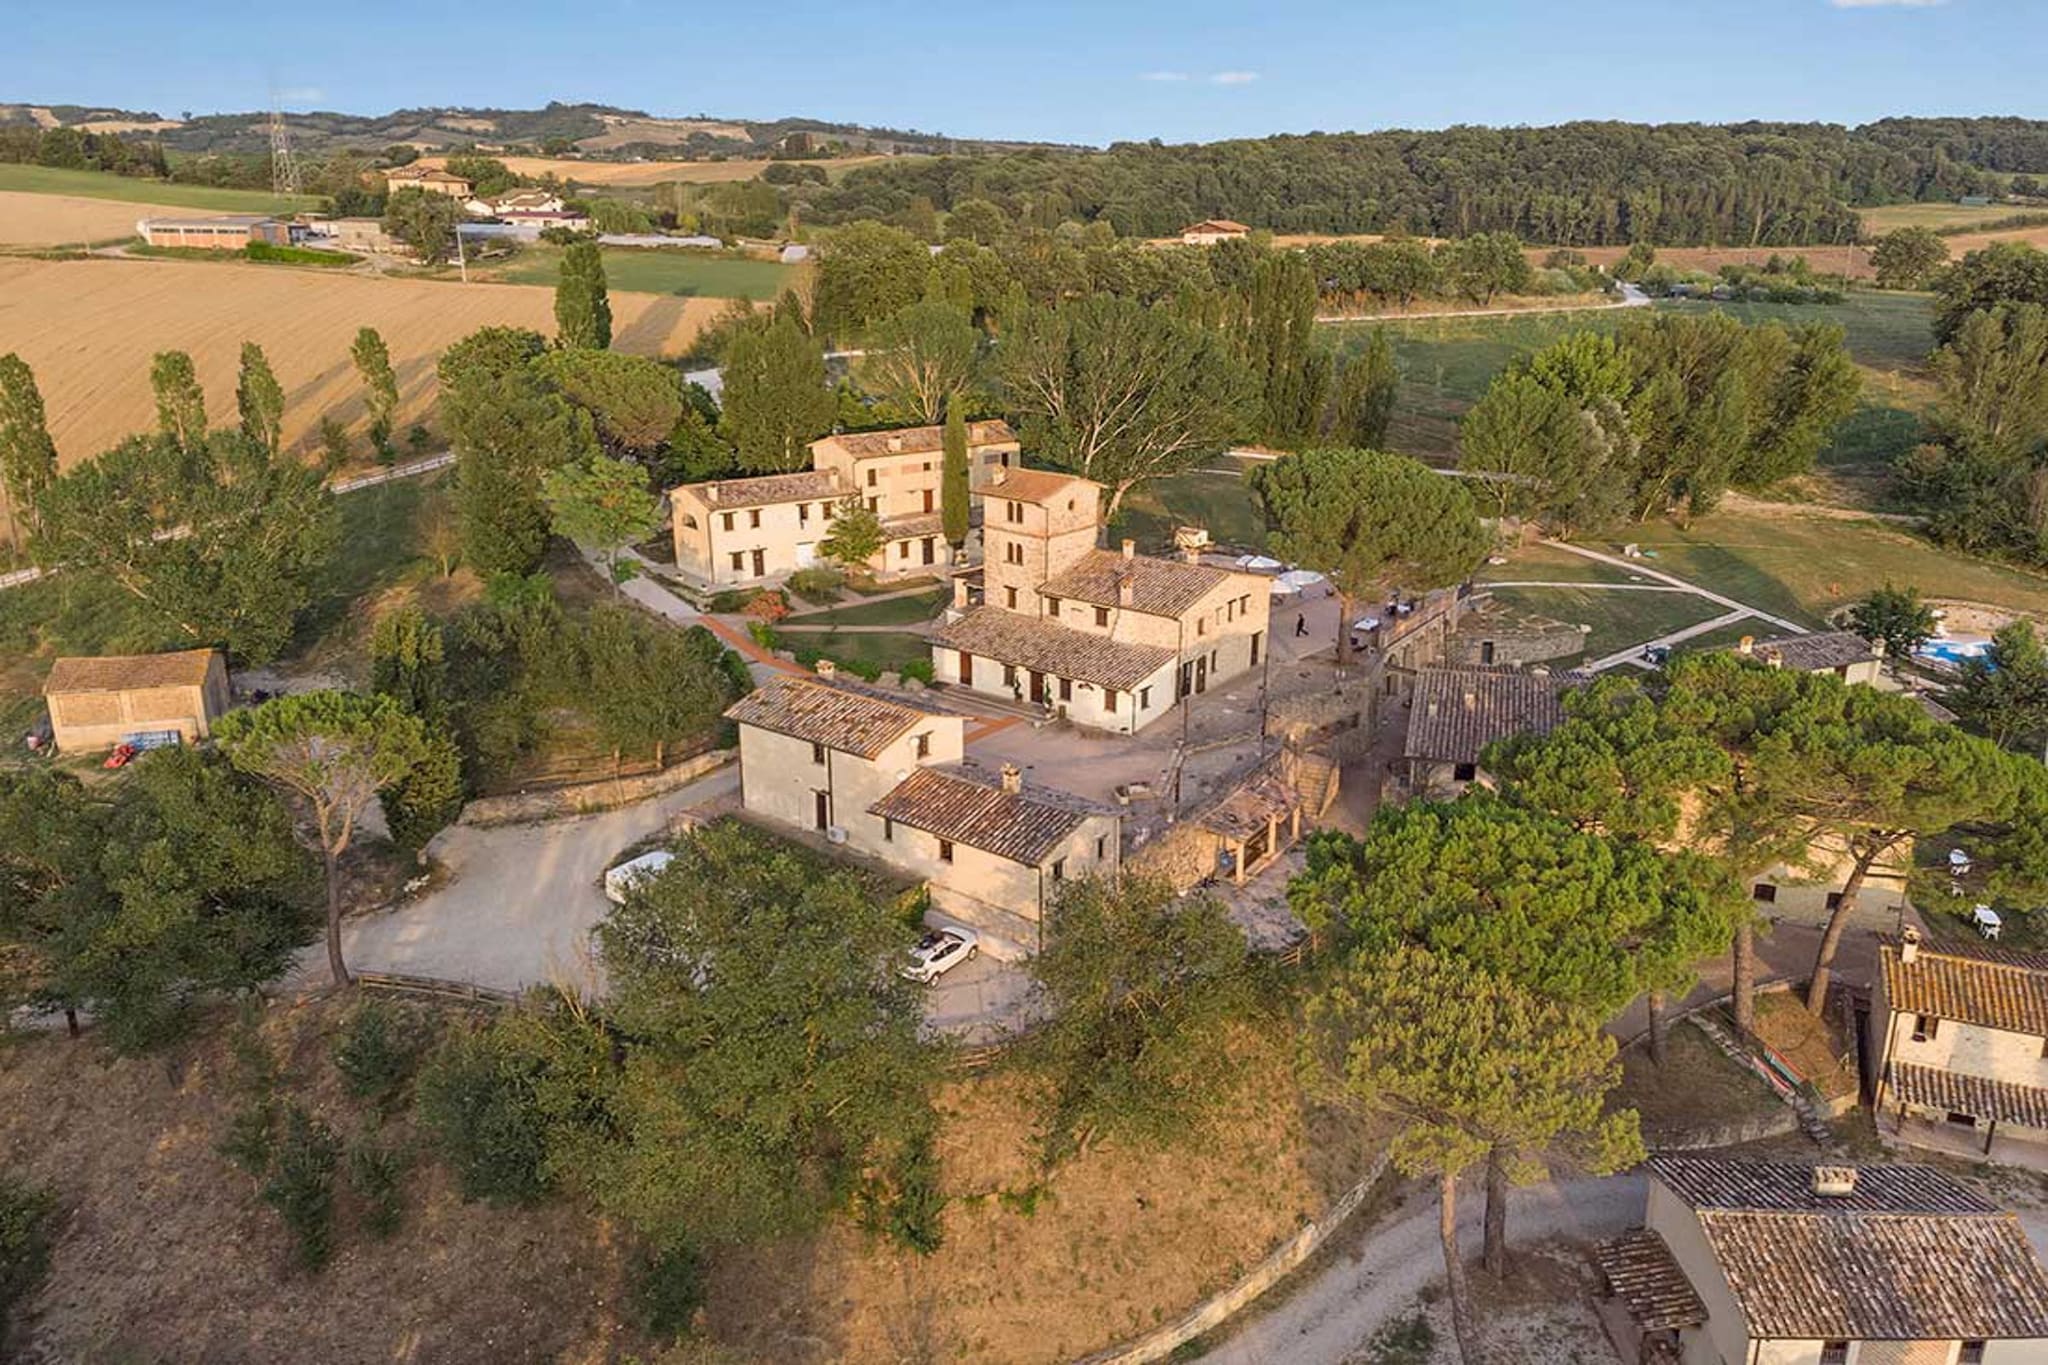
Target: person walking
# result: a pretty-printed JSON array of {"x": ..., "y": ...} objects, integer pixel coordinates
[{"x": 1300, "y": 624}]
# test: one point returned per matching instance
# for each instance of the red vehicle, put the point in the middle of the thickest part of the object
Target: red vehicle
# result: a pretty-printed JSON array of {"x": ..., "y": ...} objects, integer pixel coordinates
[{"x": 120, "y": 757}]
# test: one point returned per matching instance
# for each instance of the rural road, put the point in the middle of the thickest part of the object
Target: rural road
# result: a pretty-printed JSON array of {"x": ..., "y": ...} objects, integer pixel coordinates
[
  {"x": 1327, "y": 1318},
  {"x": 1631, "y": 297}
]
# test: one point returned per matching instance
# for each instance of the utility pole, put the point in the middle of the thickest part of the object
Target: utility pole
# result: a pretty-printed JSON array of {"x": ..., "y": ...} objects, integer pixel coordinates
[{"x": 284, "y": 167}]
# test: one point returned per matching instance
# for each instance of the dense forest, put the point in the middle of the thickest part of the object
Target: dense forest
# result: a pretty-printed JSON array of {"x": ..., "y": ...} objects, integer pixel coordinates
[{"x": 1588, "y": 184}]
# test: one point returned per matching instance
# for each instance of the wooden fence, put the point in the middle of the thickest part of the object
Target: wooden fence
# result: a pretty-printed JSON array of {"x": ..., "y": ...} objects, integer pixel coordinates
[{"x": 435, "y": 988}]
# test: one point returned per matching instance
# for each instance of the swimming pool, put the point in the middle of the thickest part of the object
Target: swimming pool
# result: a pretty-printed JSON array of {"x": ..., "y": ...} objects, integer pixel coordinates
[{"x": 1953, "y": 651}]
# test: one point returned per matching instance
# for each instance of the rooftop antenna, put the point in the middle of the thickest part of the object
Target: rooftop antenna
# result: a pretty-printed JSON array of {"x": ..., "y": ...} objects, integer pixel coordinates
[{"x": 284, "y": 167}]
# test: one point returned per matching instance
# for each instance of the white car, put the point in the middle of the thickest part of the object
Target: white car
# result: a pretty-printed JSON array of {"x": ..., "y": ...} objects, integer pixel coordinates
[
  {"x": 622, "y": 879},
  {"x": 939, "y": 952}
]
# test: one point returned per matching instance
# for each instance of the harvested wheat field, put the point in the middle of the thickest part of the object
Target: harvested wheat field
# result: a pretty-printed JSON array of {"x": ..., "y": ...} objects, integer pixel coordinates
[
  {"x": 1852, "y": 261},
  {"x": 655, "y": 172},
  {"x": 66, "y": 220},
  {"x": 89, "y": 328}
]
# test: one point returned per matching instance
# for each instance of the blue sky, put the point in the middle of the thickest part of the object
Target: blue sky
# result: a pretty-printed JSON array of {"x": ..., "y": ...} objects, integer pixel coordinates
[{"x": 1180, "y": 70}]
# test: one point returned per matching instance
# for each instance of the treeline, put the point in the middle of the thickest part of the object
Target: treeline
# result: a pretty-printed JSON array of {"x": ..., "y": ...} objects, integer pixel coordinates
[
  {"x": 1752, "y": 184},
  {"x": 73, "y": 150}
]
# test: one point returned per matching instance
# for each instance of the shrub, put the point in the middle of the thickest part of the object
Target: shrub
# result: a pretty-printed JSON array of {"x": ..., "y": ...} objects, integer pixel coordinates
[
  {"x": 817, "y": 583},
  {"x": 301, "y": 1185},
  {"x": 252, "y": 1133},
  {"x": 376, "y": 1053},
  {"x": 334, "y": 444},
  {"x": 920, "y": 669},
  {"x": 252, "y": 1128},
  {"x": 905, "y": 1204},
  {"x": 769, "y": 604},
  {"x": 477, "y": 1098},
  {"x": 26, "y": 1215},
  {"x": 726, "y": 601},
  {"x": 419, "y": 439},
  {"x": 867, "y": 670},
  {"x": 670, "y": 1290},
  {"x": 377, "y": 1175},
  {"x": 764, "y": 635}
]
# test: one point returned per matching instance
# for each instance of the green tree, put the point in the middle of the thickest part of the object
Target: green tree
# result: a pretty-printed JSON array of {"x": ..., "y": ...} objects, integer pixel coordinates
[
  {"x": 651, "y": 686},
  {"x": 1122, "y": 394},
  {"x": 423, "y": 221},
  {"x": 1362, "y": 406},
  {"x": 867, "y": 271},
  {"x": 1896, "y": 618},
  {"x": 409, "y": 663},
  {"x": 1486, "y": 264},
  {"x": 2004, "y": 692},
  {"x": 301, "y": 1185},
  {"x": 1479, "y": 1069},
  {"x": 28, "y": 458},
  {"x": 583, "y": 309},
  {"x": 776, "y": 401},
  {"x": 428, "y": 798},
  {"x": 1999, "y": 275},
  {"x": 1146, "y": 992},
  {"x": 1276, "y": 341},
  {"x": 259, "y": 400},
  {"x": 1371, "y": 521},
  {"x": 221, "y": 544},
  {"x": 956, "y": 500},
  {"x": 856, "y": 535},
  {"x": 636, "y": 402},
  {"x": 180, "y": 402},
  {"x": 1907, "y": 257},
  {"x": 921, "y": 359},
  {"x": 603, "y": 504},
  {"x": 380, "y": 387},
  {"x": 28, "y": 1223},
  {"x": 508, "y": 427},
  {"x": 333, "y": 751}
]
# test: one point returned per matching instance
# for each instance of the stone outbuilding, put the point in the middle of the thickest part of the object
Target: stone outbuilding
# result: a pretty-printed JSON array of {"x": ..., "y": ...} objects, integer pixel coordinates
[{"x": 98, "y": 703}]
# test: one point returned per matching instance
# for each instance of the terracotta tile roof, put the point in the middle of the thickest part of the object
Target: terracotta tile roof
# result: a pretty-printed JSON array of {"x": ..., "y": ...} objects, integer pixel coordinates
[
  {"x": 1908, "y": 1255},
  {"x": 1960, "y": 1093},
  {"x": 801, "y": 486},
  {"x": 1215, "y": 225},
  {"x": 1787, "y": 1187},
  {"x": 914, "y": 525},
  {"x": 1245, "y": 811},
  {"x": 1990, "y": 987},
  {"x": 125, "y": 672},
  {"x": 1817, "y": 652},
  {"x": 216, "y": 222},
  {"x": 1643, "y": 1274},
  {"x": 1159, "y": 587},
  {"x": 1048, "y": 647},
  {"x": 968, "y": 806},
  {"x": 1457, "y": 712},
  {"x": 1030, "y": 485},
  {"x": 915, "y": 440},
  {"x": 851, "y": 720}
]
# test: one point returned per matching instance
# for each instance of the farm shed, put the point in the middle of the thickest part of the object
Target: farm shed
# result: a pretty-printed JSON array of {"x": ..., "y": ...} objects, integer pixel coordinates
[
  {"x": 230, "y": 232},
  {"x": 96, "y": 703}
]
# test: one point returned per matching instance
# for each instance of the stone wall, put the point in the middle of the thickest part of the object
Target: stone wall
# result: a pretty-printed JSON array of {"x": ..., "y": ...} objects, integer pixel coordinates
[{"x": 562, "y": 802}]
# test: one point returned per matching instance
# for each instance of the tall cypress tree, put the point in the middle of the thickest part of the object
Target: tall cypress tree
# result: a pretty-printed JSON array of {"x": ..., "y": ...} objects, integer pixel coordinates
[
  {"x": 180, "y": 402},
  {"x": 259, "y": 399},
  {"x": 954, "y": 490},
  {"x": 28, "y": 458},
  {"x": 380, "y": 387},
  {"x": 583, "y": 311}
]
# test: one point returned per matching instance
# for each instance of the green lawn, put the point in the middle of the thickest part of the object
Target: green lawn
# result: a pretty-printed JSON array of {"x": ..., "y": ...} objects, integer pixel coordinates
[
  {"x": 1215, "y": 500},
  {"x": 659, "y": 270},
  {"x": 1888, "y": 216},
  {"x": 895, "y": 611},
  {"x": 1540, "y": 563},
  {"x": 128, "y": 189},
  {"x": 1618, "y": 619},
  {"x": 885, "y": 649}
]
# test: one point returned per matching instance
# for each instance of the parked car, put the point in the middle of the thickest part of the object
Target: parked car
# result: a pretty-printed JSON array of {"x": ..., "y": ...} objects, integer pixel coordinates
[
  {"x": 121, "y": 756},
  {"x": 939, "y": 951},
  {"x": 621, "y": 880}
]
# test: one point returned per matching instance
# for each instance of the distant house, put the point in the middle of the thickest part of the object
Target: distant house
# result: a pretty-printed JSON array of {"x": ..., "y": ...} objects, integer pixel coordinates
[
  {"x": 227, "y": 232},
  {"x": 430, "y": 179},
  {"x": 884, "y": 775},
  {"x": 517, "y": 201},
  {"x": 1963, "y": 1036},
  {"x": 793, "y": 253},
  {"x": 1210, "y": 231},
  {"x": 97, "y": 703},
  {"x": 1843, "y": 653},
  {"x": 1770, "y": 1263},
  {"x": 1457, "y": 712}
]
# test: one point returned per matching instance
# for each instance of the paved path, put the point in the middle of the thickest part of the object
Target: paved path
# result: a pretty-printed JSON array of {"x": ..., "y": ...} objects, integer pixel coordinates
[
  {"x": 1634, "y": 653},
  {"x": 1631, "y": 297},
  {"x": 1591, "y": 587},
  {"x": 1636, "y": 566}
]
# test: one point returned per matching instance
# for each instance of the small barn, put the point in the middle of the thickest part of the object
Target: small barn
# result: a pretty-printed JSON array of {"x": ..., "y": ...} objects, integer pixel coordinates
[
  {"x": 98, "y": 703},
  {"x": 1210, "y": 231}
]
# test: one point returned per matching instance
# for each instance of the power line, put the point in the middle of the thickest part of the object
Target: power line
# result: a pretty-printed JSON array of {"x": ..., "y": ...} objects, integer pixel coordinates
[{"x": 284, "y": 167}]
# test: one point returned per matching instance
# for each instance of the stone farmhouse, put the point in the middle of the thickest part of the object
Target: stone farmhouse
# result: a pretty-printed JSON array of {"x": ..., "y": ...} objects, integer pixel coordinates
[
  {"x": 1963, "y": 1036},
  {"x": 1457, "y": 712},
  {"x": 1210, "y": 231},
  {"x": 432, "y": 180},
  {"x": 1755, "y": 1263},
  {"x": 884, "y": 775},
  {"x": 1105, "y": 638},
  {"x": 97, "y": 703},
  {"x": 736, "y": 531},
  {"x": 1843, "y": 653}
]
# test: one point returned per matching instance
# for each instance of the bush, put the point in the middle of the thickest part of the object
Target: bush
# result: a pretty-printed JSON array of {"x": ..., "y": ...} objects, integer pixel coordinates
[
  {"x": 906, "y": 1204},
  {"x": 769, "y": 604},
  {"x": 335, "y": 450},
  {"x": 867, "y": 670},
  {"x": 477, "y": 1098},
  {"x": 726, "y": 601},
  {"x": 764, "y": 635},
  {"x": 297, "y": 255},
  {"x": 920, "y": 669},
  {"x": 376, "y": 1053},
  {"x": 817, "y": 584},
  {"x": 26, "y": 1214},
  {"x": 252, "y": 1129},
  {"x": 301, "y": 1185},
  {"x": 670, "y": 1290},
  {"x": 377, "y": 1175}
]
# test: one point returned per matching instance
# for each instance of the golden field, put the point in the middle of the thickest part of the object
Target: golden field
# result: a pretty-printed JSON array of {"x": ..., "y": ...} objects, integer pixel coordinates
[
  {"x": 89, "y": 327},
  {"x": 632, "y": 173},
  {"x": 66, "y": 220}
]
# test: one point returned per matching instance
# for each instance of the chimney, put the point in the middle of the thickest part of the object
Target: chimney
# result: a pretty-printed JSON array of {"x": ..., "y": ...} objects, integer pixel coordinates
[
  {"x": 1126, "y": 591},
  {"x": 1471, "y": 701},
  {"x": 1909, "y": 947},
  {"x": 960, "y": 593},
  {"x": 1192, "y": 554},
  {"x": 1432, "y": 706},
  {"x": 1746, "y": 645},
  {"x": 1834, "y": 1182},
  {"x": 1013, "y": 778},
  {"x": 895, "y": 445},
  {"x": 827, "y": 669},
  {"x": 999, "y": 475},
  {"x": 1130, "y": 549},
  {"x": 1877, "y": 648}
]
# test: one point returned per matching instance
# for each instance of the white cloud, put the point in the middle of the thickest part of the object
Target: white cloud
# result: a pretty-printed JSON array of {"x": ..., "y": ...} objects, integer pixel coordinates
[
  {"x": 1164, "y": 76},
  {"x": 1233, "y": 78},
  {"x": 301, "y": 94},
  {"x": 1886, "y": 4}
]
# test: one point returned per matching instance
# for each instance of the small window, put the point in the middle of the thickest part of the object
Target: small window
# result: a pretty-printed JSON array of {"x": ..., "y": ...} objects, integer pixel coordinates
[
  {"x": 1102, "y": 616},
  {"x": 1009, "y": 675},
  {"x": 753, "y": 517},
  {"x": 1010, "y": 598},
  {"x": 1052, "y": 606},
  {"x": 803, "y": 514},
  {"x": 1765, "y": 892},
  {"x": 1202, "y": 626},
  {"x": 923, "y": 745},
  {"x": 1834, "y": 900},
  {"x": 1059, "y": 869},
  {"x": 1834, "y": 1353},
  {"x": 689, "y": 521},
  {"x": 739, "y": 559},
  {"x": 1144, "y": 699},
  {"x": 1101, "y": 848},
  {"x": 1013, "y": 511},
  {"x": 945, "y": 850},
  {"x": 927, "y": 467},
  {"x": 871, "y": 478},
  {"x": 903, "y": 549},
  {"x": 888, "y": 830},
  {"x": 1013, "y": 554},
  {"x": 818, "y": 754},
  {"x": 1925, "y": 1026},
  {"x": 1230, "y": 611},
  {"x": 1465, "y": 772},
  {"x": 725, "y": 520},
  {"x": 1066, "y": 689},
  {"x": 1972, "y": 1353},
  {"x": 1109, "y": 699},
  {"x": 874, "y": 504}
]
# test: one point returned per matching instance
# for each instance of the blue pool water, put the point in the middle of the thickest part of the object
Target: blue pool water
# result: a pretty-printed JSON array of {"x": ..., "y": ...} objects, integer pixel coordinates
[{"x": 1952, "y": 651}]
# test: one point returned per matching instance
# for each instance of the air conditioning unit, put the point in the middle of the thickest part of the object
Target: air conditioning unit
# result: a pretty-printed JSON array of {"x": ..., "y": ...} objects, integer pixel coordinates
[{"x": 835, "y": 834}]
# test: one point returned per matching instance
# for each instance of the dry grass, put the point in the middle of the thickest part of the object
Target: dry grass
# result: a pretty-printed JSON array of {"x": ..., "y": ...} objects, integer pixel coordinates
[
  {"x": 621, "y": 130},
  {"x": 1884, "y": 219},
  {"x": 1806, "y": 1043},
  {"x": 89, "y": 328},
  {"x": 653, "y": 172},
  {"x": 62, "y": 220},
  {"x": 1963, "y": 245},
  {"x": 1852, "y": 261}
]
